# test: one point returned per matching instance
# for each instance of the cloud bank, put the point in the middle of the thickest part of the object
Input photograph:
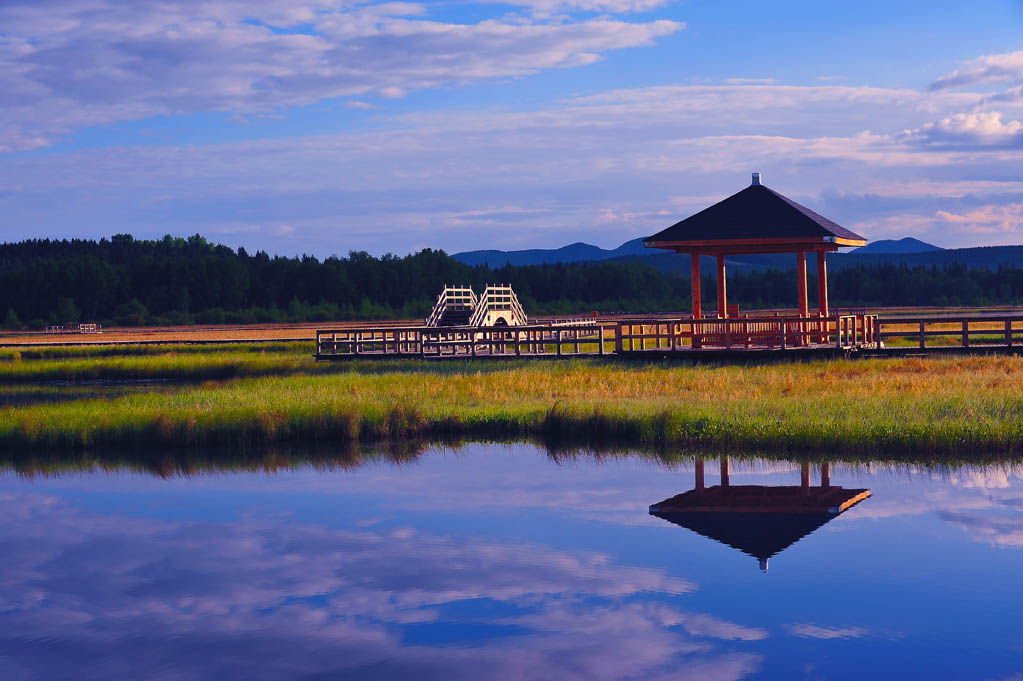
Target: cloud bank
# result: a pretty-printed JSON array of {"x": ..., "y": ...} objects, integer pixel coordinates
[{"x": 69, "y": 64}]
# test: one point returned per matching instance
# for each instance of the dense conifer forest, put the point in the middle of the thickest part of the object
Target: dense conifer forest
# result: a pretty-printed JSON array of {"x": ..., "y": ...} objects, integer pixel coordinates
[{"x": 126, "y": 281}]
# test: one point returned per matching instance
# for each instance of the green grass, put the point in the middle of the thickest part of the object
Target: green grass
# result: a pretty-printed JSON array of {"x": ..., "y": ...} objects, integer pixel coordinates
[{"x": 963, "y": 408}]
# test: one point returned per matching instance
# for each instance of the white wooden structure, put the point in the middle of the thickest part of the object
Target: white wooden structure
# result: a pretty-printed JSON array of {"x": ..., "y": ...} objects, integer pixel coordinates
[{"x": 459, "y": 306}]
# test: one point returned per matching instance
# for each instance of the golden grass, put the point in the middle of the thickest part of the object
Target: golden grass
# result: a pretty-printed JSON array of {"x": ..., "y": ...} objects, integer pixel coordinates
[{"x": 961, "y": 406}]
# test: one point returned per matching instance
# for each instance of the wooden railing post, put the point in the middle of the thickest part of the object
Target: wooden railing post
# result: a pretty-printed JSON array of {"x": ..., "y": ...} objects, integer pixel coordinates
[
  {"x": 618, "y": 339},
  {"x": 1008, "y": 332},
  {"x": 966, "y": 333}
]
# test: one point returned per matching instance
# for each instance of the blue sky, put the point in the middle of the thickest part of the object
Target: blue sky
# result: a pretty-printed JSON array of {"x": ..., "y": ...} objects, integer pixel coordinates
[{"x": 323, "y": 126}]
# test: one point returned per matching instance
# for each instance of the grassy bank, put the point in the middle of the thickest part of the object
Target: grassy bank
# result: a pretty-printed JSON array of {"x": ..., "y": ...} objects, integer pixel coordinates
[{"x": 965, "y": 407}]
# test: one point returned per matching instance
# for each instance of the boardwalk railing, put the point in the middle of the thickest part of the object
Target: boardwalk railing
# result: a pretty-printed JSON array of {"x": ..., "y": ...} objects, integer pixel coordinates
[
  {"x": 952, "y": 332},
  {"x": 488, "y": 341},
  {"x": 596, "y": 338},
  {"x": 748, "y": 333},
  {"x": 75, "y": 328}
]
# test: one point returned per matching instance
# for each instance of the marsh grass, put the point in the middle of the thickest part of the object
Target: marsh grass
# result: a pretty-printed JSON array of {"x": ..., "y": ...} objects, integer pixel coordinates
[
  {"x": 142, "y": 350},
  {"x": 967, "y": 407},
  {"x": 187, "y": 363}
]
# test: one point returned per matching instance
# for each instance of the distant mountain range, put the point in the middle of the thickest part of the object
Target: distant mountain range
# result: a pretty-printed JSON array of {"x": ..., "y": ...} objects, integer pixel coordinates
[
  {"x": 905, "y": 245},
  {"x": 908, "y": 251},
  {"x": 577, "y": 252}
]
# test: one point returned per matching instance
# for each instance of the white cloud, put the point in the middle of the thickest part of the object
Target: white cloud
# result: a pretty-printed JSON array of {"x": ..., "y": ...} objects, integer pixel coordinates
[
  {"x": 459, "y": 180},
  {"x": 70, "y": 64},
  {"x": 547, "y": 7},
  {"x": 980, "y": 128},
  {"x": 990, "y": 219},
  {"x": 991, "y": 68}
]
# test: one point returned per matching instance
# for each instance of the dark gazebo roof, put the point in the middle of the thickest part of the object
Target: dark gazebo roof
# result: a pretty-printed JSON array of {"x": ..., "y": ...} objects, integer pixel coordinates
[
  {"x": 755, "y": 220},
  {"x": 758, "y": 520},
  {"x": 761, "y": 535}
]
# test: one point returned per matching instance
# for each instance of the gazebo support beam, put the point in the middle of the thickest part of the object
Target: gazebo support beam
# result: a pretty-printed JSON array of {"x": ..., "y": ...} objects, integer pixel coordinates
[
  {"x": 822, "y": 283},
  {"x": 722, "y": 298},
  {"x": 694, "y": 274},
  {"x": 801, "y": 281},
  {"x": 802, "y": 302}
]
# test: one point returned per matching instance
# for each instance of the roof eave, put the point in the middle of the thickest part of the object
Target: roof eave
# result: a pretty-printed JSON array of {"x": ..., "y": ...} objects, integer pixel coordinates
[{"x": 751, "y": 246}]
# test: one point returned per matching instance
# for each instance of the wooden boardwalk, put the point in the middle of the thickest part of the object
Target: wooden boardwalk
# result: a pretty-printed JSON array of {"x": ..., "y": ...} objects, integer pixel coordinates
[
  {"x": 975, "y": 333},
  {"x": 838, "y": 334}
]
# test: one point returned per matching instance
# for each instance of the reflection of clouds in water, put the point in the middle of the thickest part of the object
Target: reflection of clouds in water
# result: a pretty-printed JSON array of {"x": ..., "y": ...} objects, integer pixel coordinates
[
  {"x": 998, "y": 529},
  {"x": 909, "y": 490},
  {"x": 814, "y": 631},
  {"x": 993, "y": 477},
  {"x": 652, "y": 616},
  {"x": 273, "y": 599}
]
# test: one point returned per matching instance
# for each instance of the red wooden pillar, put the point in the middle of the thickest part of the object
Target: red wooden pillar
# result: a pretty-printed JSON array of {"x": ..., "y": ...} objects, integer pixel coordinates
[
  {"x": 694, "y": 273},
  {"x": 822, "y": 283},
  {"x": 801, "y": 276},
  {"x": 694, "y": 283},
  {"x": 822, "y": 293},
  {"x": 825, "y": 474},
  {"x": 699, "y": 473},
  {"x": 722, "y": 303},
  {"x": 801, "y": 281}
]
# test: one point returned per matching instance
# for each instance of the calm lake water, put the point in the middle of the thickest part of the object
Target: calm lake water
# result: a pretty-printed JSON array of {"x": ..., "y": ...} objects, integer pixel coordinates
[{"x": 496, "y": 562}]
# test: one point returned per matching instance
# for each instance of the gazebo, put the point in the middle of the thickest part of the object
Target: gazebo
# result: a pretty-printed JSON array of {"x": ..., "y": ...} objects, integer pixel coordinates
[
  {"x": 759, "y": 520},
  {"x": 756, "y": 220}
]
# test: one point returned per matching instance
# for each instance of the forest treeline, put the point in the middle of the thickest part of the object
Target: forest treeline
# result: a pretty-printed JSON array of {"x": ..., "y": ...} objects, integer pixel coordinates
[{"x": 127, "y": 281}]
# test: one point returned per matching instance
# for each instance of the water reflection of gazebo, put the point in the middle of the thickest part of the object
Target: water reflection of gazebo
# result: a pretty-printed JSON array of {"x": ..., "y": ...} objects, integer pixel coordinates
[{"x": 759, "y": 520}]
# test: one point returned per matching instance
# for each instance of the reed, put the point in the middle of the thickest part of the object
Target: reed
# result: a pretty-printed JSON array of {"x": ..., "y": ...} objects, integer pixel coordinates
[{"x": 968, "y": 407}]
